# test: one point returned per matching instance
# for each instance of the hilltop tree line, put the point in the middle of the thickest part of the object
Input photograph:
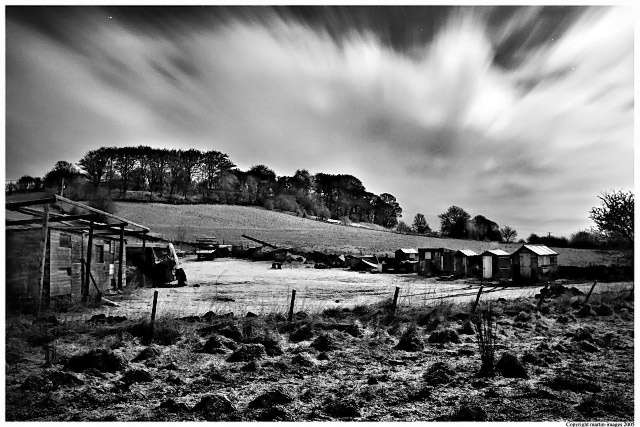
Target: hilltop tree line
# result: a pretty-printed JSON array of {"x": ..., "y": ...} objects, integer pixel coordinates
[
  {"x": 613, "y": 220},
  {"x": 195, "y": 176}
]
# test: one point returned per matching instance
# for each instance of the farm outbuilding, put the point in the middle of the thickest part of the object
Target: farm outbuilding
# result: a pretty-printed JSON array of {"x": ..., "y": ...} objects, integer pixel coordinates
[
  {"x": 406, "y": 260},
  {"x": 435, "y": 261},
  {"x": 534, "y": 263},
  {"x": 56, "y": 257},
  {"x": 496, "y": 264},
  {"x": 463, "y": 262}
]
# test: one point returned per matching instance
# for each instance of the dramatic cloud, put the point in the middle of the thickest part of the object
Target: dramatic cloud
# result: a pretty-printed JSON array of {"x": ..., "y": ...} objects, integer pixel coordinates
[{"x": 522, "y": 115}]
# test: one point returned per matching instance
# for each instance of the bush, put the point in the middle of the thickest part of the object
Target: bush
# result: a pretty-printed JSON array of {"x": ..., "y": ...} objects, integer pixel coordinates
[{"x": 486, "y": 334}]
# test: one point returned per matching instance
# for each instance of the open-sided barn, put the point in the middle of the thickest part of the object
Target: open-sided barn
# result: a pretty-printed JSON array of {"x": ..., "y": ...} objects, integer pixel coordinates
[
  {"x": 534, "y": 263},
  {"x": 52, "y": 256}
]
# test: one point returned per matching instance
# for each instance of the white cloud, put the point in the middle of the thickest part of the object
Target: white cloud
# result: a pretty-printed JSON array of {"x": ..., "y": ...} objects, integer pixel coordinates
[{"x": 440, "y": 126}]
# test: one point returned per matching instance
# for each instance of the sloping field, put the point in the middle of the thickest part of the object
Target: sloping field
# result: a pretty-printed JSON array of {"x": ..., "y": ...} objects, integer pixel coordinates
[{"x": 229, "y": 223}]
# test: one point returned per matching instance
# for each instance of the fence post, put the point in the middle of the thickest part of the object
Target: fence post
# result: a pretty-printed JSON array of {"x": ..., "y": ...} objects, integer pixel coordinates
[
  {"x": 590, "y": 290},
  {"x": 475, "y": 304},
  {"x": 293, "y": 301},
  {"x": 395, "y": 299},
  {"x": 153, "y": 311}
]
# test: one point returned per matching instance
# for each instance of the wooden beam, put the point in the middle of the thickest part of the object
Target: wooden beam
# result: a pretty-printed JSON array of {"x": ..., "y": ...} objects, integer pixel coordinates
[
  {"x": 144, "y": 260},
  {"x": 98, "y": 211},
  {"x": 120, "y": 257},
  {"x": 45, "y": 237},
  {"x": 30, "y": 221},
  {"x": 12, "y": 206}
]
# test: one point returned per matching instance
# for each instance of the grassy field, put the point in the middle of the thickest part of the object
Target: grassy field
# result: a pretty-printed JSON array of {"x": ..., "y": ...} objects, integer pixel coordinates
[
  {"x": 229, "y": 223},
  {"x": 561, "y": 363}
]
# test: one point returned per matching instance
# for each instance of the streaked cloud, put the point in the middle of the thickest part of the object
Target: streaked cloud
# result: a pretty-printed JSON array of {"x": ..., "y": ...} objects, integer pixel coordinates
[{"x": 522, "y": 115}]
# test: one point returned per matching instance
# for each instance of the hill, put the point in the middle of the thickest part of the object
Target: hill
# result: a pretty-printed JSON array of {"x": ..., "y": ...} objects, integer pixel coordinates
[{"x": 228, "y": 223}]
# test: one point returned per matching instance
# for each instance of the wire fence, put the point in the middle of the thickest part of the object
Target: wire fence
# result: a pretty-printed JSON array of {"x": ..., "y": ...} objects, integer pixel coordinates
[{"x": 183, "y": 302}]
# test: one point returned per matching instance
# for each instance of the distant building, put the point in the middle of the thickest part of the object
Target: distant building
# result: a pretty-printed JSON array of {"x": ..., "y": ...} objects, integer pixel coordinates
[
  {"x": 406, "y": 260},
  {"x": 496, "y": 264},
  {"x": 534, "y": 263},
  {"x": 463, "y": 262},
  {"x": 435, "y": 261}
]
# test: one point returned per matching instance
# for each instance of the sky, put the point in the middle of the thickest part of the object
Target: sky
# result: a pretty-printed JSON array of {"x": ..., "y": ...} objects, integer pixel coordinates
[{"x": 521, "y": 114}]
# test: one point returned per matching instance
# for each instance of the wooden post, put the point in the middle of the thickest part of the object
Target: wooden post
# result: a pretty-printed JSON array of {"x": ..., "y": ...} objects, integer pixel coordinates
[
  {"x": 395, "y": 298},
  {"x": 45, "y": 239},
  {"x": 85, "y": 288},
  {"x": 153, "y": 311},
  {"x": 590, "y": 290},
  {"x": 144, "y": 259},
  {"x": 155, "y": 305},
  {"x": 293, "y": 301},
  {"x": 120, "y": 257},
  {"x": 475, "y": 305}
]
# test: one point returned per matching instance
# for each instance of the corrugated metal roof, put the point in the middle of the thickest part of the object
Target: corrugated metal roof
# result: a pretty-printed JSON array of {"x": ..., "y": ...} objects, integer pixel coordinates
[
  {"x": 467, "y": 252},
  {"x": 497, "y": 252},
  {"x": 540, "y": 250},
  {"x": 408, "y": 251}
]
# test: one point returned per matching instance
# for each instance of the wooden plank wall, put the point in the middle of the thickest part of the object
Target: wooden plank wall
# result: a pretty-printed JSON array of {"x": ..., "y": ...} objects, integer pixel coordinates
[
  {"x": 63, "y": 267},
  {"x": 22, "y": 257}
]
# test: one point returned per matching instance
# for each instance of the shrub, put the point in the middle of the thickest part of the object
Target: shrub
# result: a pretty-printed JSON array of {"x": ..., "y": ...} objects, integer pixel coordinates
[{"x": 486, "y": 334}]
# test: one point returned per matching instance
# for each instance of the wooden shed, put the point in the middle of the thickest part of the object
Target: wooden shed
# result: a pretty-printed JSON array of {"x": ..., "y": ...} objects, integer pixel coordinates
[
  {"x": 534, "y": 263},
  {"x": 52, "y": 256},
  {"x": 406, "y": 260},
  {"x": 496, "y": 264},
  {"x": 435, "y": 261},
  {"x": 463, "y": 262}
]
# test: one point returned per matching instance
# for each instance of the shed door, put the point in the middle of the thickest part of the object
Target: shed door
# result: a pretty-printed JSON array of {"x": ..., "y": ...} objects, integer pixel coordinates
[
  {"x": 487, "y": 267},
  {"x": 525, "y": 264}
]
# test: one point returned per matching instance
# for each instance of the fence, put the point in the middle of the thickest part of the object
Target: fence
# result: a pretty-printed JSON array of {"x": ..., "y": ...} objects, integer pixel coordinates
[{"x": 172, "y": 302}]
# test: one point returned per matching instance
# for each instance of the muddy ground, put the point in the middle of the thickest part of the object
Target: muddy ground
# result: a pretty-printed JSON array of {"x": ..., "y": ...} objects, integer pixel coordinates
[
  {"x": 238, "y": 285},
  {"x": 565, "y": 361}
]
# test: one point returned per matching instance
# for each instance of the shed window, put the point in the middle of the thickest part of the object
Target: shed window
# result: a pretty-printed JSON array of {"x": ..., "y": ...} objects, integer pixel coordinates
[
  {"x": 544, "y": 260},
  {"x": 112, "y": 247},
  {"x": 65, "y": 240}
]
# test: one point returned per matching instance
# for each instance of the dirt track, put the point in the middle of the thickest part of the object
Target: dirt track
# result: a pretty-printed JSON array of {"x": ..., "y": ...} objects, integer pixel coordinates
[{"x": 238, "y": 286}]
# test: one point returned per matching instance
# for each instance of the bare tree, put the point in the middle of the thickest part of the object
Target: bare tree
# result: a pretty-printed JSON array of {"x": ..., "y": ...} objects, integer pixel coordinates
[
  {"x": 615, "y": 216},
  {"x": 508, "y": 234}
]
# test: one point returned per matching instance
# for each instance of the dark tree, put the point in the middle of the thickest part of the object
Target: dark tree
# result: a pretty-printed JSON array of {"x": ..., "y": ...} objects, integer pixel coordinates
[
  {"x": 388, "y": 211},
  {"x": 63, "y": 170},
  {"x": 508, "y": 234},
  {"x": 158, "y": 169},
  {"x": 190, "y": 161},
  {"x": 484, "y": 229},
  {"x": 453, "y": 222},
  {"x": 614, "y": 218},
  {"x": 214, "y": 164},
  {"x": 126, "y": 160},
  {"x": 402, "y": 227},
  {"x": 94, "y": 163},
  {"x": 420, "y": 224},
  {"x": 26, "y": 183}
]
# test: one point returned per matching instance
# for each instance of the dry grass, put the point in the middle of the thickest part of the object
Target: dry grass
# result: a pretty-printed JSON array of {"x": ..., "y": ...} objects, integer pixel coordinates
[{"x": 362, "y": 368}]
